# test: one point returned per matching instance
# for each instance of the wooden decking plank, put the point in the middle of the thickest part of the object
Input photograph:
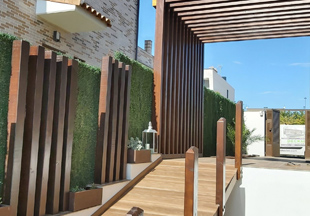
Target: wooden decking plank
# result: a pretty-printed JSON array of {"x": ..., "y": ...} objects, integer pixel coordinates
[{"x": 165, "y": 184}]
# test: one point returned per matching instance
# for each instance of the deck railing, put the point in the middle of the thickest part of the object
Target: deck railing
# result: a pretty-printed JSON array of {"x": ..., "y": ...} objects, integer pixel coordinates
[{"x": 191, "y": 167}]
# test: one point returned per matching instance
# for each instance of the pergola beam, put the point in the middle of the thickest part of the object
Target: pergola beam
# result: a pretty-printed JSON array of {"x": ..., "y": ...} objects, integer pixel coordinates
[
  {"x": 253, "y": 21},
  {"x": 246, "y": 7},
  {"x": 206, "y": 4},
  {"x": 275, "y": 15},
  {"x": 253, "y": 31},
  {"x": 244, "y": 25},
  {"x": 257, "y": 37},
  {"x": 256, "y": 34},
  {"x": 263, "y": 27},
  {"x": 262, "y": 12}
]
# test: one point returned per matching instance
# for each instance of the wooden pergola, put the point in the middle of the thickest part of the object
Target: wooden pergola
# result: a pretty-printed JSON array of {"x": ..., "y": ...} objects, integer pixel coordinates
[{"x": 182, "y": 27}]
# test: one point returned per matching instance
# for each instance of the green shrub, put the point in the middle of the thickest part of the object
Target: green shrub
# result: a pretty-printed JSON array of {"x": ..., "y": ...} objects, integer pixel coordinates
[
  {"x": 6, "y": 42},
  {"x": 215, "y": 107},
  {"x": 85, "y": 126},
  {"x": 141, "y": 96}
]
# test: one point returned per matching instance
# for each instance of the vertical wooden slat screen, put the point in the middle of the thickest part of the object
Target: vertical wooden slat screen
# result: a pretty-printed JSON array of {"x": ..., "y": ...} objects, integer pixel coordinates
[
  {"x": 111, "y": 156},
  {"x": 178, "y": 91},
  {"x": 272, "y": 133},
  {"x": 57, "y": 137},
  {"x": 45, "y": 131},
  {"x": 70, "y": 109},
  {"x": 16, "y": 120},
  {"x": 31, "y": 131}
]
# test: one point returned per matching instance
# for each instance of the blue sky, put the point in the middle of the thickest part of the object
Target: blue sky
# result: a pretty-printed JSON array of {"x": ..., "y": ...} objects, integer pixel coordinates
[{"x": 272, "y": 73}]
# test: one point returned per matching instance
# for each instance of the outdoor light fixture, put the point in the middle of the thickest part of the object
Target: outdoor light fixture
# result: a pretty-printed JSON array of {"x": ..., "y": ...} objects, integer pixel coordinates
[
  {"x": 56, "y": 36},
  {"x": 150, "y": 139}
]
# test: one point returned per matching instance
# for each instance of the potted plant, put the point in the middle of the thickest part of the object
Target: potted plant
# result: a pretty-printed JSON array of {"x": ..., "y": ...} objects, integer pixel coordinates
[
  {"x": 136, "y": 152},
  {"x": 83, "y": 198}
]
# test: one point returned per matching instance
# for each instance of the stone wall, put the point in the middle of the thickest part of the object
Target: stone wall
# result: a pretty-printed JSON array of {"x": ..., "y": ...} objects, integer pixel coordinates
[{"x": 19, "y": 18}]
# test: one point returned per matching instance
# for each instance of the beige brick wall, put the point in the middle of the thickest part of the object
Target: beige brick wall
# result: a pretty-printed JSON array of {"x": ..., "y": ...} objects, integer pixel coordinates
[{"x": 18, "y": 18}]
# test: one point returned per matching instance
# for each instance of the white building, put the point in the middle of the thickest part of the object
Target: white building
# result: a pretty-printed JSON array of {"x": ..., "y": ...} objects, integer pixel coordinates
[
  {"x": 214, "y": 81},
  {"x": 255, "y": 119}
]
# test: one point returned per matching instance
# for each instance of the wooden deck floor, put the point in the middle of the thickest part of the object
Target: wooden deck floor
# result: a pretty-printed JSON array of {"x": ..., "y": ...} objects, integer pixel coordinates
[{"x": 161, "y": 192}]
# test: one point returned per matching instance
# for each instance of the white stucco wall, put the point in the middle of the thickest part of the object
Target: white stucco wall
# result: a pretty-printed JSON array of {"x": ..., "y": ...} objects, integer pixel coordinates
[
  {"x": 256, "y": 120},
  {"x": 270, "y": 192},
  {"x": 218, "y": 84}
]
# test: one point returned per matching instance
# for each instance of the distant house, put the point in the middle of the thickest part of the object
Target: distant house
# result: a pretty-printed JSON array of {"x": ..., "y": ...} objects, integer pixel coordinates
[{"x": 212, "y": 80}]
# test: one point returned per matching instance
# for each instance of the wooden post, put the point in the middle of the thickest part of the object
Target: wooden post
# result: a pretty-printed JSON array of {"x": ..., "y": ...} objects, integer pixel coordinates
[
  {"x": 220, "y": 164},
  {"x": 191, "y": 182},
  {"x": 307, "y": 140},
  {"x": 135, "y": 211},
  {"x": 238, "y": 138},
  {"x": 16, "y": 123}
]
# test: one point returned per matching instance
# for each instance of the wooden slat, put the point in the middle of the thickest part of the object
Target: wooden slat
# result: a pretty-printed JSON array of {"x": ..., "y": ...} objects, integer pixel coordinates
[
  {"x": 120, "y": 120},
  {"x": 202, "y": 97},
  {"x": 158, "y": 63},
  {"x": 254, "y": 21},
  {"x": 68, "y": 133},
  {"x": 255, "y": 34},
  {"x": 246, "y": 18},
  {"x": 45, "y": 132},
  {"x": 307, "y": 139},
  {"x": 169, "y": 74},
  {"x": 252, "y": 31},
  {"x": 238, "y": 138},
  {"x": 243, "y": 7},
  {"x": 220, "y": 165},
  {"x": 258, "y": 37},
  {"x": 191, "y": 182},
  {"x": 181, "y": 88},
  {"x": 16, "y": 120},
  {"x": 205, "y": 4},
  {"x": 173, "y": 76},
  {"x": 112, "y": 123},
  {"x": 128, "y": 74},
  {"x": 250, "y": 13},
  {"x": 104, "y": 110},
  {"x": 31, "y": 131},
  {"x": 53, "y": 196},
  {"x": 178, "y": 87}
]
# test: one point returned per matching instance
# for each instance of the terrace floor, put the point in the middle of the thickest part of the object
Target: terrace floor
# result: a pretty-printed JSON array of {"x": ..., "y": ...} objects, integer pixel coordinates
[{"x": 161, "y": 192}]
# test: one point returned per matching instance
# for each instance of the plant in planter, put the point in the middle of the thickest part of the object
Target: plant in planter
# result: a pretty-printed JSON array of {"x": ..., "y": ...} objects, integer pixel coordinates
[
  {"x": 82, "y": 198},
  {"x": 136, "y": 152}
]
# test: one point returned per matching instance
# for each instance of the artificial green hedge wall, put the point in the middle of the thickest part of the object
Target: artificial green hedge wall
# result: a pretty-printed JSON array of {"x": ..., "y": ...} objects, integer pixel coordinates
[
  {"x": 215, "y": 107},
  {"x": 5, "y": 74},
  {"x": 85, "y": 126},
  {"x": 141, "y": 96}
]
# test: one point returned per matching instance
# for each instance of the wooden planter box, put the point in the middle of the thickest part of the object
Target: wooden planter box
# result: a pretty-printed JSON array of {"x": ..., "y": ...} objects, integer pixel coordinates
[
  {"x": 135, "y": 156},
  {"x": 4, "y": 210},
  {"x": 85, "y": 199}
]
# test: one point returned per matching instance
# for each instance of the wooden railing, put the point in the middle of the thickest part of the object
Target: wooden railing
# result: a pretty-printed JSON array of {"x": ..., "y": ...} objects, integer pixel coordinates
[
  {"x": 191, "y": 167},
  {"x": 191, "y": 182},
  {"x": 220, "y": 165}
]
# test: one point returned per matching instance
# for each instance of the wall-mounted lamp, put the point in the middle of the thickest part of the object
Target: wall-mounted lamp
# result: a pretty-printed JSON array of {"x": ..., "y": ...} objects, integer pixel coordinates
[
  {"x": 56, "y": 36},
  {"x": 261, "y": 113}
]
